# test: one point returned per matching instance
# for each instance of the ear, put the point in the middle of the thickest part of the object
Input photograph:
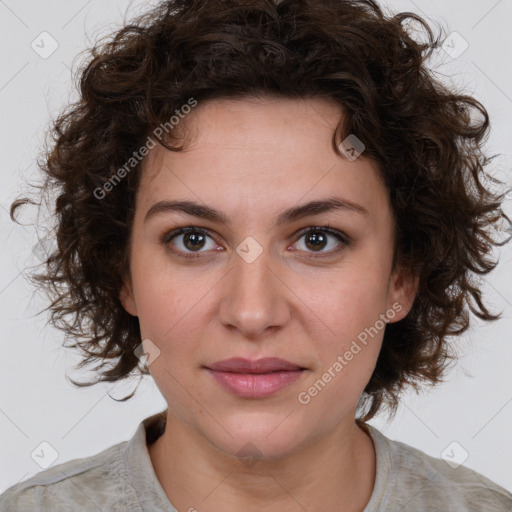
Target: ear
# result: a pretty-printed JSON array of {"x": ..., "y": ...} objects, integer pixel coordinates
[
  {"x": 403, "y": 287},
  {"x": 126, "y": 297}
]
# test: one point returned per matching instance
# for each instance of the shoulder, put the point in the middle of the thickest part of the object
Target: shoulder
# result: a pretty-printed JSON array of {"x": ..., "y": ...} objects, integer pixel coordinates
[
  {"x": 94, "y": 483},
  {"x": 416, "y": 481}
]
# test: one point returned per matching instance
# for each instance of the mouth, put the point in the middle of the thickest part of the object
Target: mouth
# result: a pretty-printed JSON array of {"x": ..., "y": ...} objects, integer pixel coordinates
[
  {"x": 264, "y": 365},
  {"x": 254, "y": 379}
]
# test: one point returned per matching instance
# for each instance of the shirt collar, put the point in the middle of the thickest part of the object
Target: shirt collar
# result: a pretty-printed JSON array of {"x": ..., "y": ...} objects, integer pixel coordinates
[{"x": 137, "y": 461}]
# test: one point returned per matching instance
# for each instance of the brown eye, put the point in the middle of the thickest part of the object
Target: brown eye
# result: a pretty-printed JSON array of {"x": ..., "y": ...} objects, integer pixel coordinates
[
  {"x": 193, "y": 241},
  {"x": 319, "y": 238},
  {"x": 189, "y": 240},
  {"x": 316, "y": 240}
]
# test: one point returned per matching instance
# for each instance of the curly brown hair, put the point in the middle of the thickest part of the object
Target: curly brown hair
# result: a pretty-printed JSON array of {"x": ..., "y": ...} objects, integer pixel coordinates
[{"x": 426, "y": 138}]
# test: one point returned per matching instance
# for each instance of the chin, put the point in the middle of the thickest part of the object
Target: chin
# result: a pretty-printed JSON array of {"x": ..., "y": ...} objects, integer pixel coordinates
[{"x": 255, "y": 439}]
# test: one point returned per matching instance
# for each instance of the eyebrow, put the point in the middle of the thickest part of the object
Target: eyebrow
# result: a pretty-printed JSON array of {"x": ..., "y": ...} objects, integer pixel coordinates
[{"x": 292, "y": 214}]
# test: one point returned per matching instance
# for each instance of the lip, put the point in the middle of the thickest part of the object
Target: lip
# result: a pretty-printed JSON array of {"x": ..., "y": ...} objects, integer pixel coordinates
[
  {"x": 255, "y": 379},
  {"x": 263, "y": 365}
]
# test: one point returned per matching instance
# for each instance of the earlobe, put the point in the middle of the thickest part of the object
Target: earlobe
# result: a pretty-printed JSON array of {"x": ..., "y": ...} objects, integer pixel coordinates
[
  {"x": 403, "y": 290},
  {"x": 126, "y": 298}
]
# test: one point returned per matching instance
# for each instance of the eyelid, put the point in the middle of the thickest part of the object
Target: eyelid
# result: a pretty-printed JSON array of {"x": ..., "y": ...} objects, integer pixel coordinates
[{"x": 327, "y": 229}]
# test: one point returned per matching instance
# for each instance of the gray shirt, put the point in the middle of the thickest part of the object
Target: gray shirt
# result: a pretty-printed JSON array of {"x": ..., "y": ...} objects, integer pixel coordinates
[{"x": 121, "y": 478}]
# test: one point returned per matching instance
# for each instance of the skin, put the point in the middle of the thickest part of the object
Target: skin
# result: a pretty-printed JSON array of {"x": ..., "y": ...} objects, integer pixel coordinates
[{"x": 252, "y": 159}]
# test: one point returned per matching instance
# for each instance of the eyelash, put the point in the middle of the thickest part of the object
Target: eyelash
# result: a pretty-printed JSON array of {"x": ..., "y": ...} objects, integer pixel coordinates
[{"x": 344, "y": 239}]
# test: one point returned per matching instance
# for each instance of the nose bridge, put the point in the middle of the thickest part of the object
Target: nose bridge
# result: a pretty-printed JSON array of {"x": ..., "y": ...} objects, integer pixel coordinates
[{"x": 253, "y": 297}]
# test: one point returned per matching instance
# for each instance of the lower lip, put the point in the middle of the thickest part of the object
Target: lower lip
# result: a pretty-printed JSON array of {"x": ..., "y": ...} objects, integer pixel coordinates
[{"x": 255, "y": 385}]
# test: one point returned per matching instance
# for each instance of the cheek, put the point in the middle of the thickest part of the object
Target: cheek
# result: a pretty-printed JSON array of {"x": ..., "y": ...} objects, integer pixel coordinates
[
  {"x": 347, "y": 328},
  {"x": 347, "y": 350},
  {"x": 347, "y": 303},
  {"x": 165, "y": 306},
  {"x": 164, "y": 293}
]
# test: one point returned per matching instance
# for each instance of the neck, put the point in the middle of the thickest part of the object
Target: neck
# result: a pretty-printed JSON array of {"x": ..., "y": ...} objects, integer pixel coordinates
[{"x": 336, "y": 472}]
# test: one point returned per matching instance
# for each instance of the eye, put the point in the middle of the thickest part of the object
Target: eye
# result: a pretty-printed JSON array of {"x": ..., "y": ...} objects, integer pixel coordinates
[
  {"x": 316, "y": 239},
  {"x": 189, "y": 240}
]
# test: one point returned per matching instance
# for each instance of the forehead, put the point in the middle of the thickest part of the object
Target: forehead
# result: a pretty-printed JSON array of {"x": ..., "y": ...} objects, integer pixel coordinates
[
  {"x": 250, "y": 151},
  {"x": 260, "y": 125}
]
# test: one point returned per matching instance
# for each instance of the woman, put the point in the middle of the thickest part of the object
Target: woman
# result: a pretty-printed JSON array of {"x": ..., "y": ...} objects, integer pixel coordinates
[{"x": 285, "y": 208}]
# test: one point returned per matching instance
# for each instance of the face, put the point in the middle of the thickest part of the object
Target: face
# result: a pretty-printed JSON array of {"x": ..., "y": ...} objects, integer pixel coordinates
[{"x": 310, "y": 287}]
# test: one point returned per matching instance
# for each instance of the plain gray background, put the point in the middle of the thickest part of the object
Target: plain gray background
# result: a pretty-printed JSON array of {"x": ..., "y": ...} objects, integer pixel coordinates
[{"x": 468, "y": 417}]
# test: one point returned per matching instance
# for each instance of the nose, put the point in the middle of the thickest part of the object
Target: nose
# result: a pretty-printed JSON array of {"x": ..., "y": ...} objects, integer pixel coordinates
[{"x": 255, "y": 299}]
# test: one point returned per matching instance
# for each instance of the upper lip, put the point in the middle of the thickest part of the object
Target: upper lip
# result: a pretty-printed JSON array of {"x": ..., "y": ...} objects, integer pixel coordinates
[{"x": 264, "y": 365}]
